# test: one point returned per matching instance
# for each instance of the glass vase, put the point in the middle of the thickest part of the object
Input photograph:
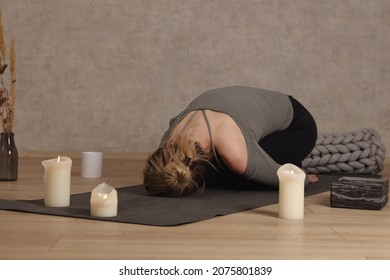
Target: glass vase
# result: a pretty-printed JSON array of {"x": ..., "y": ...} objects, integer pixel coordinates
[{"x": 8, "y": 157}]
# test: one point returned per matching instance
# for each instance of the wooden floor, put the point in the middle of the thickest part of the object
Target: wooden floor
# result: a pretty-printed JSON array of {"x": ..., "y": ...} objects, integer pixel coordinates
[{"x": 325, "y": 233}]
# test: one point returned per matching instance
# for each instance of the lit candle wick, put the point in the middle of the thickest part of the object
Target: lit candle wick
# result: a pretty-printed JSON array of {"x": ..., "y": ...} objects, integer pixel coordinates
[
  {"x": 103, "y": 196},
  {"x": 292, "y": 171},
  {"x": 59, "y": 158}
]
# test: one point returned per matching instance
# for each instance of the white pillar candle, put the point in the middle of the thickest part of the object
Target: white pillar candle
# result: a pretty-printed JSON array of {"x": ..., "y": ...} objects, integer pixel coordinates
[
  {"x": 91, "y": 164},
  {"x": 57, "y": 181},
  {"x": 291, "y": 192},
  {"x": 104, "y": 201}
]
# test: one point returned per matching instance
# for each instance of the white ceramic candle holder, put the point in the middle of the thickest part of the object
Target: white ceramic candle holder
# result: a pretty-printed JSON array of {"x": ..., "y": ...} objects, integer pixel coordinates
[
  {"x": 291, "y": 192},
  {"x": 91, "y": 164}
]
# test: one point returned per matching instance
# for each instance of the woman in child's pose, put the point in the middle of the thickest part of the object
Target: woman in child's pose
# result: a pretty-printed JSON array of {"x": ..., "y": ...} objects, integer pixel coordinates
[{"x": 241, "y": 130}]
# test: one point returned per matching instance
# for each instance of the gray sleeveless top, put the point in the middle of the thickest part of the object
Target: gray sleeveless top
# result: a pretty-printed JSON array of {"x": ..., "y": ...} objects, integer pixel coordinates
[{"x": 257, "y": 112}]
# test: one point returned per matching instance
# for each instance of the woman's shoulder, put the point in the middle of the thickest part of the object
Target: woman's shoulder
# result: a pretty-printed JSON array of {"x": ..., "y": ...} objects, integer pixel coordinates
[{"x": 230, "y": 143}]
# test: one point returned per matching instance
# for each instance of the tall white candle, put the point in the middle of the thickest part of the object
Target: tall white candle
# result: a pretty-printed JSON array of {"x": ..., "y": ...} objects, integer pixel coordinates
[
  {"x": 57, "y": 181},
  {"x": 291, "y": 192},
  {"x": 104, "y": 201}
]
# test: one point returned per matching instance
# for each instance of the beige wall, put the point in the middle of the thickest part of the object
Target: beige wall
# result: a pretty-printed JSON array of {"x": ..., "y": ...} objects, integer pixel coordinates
[{"x": 108, "y": 74}]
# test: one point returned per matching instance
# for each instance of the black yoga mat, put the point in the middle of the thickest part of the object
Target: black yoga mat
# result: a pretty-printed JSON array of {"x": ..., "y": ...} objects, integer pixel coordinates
[{"x": 136, "y": 206}]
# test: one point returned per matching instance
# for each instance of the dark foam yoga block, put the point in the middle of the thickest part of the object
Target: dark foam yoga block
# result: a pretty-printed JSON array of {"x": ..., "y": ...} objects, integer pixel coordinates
[{"x": 360, "y": 193}]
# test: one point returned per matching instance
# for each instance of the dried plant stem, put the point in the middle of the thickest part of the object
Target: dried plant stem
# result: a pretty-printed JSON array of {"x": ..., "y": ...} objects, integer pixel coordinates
[
  {"x": 5, "y": 106},
  {"x": 7, "y": 98},
  {"x": 12, "y": 61},
  {"x": 12, "y": 97},
  {"x": 3, "y": 50}
]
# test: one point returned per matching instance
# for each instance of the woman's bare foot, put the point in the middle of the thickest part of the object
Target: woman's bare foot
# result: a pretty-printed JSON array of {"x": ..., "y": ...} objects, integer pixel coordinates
[{"x": 313, "y": 178}]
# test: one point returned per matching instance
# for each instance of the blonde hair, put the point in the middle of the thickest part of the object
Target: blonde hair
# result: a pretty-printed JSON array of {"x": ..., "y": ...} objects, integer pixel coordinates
[{"x": 177, "y": 168}]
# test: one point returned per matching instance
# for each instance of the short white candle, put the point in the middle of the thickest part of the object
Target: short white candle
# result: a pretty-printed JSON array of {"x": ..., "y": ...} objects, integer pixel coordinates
[
  {"x": 57, "y": 181},
  {"x": 104, "y": 201},
  {"x": 91, "y": 164},
  {"x": 291, "y": 192}
]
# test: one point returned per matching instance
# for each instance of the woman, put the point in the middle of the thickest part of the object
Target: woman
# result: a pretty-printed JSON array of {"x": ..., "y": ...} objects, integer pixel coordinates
[{"x": 237, "y": 129}]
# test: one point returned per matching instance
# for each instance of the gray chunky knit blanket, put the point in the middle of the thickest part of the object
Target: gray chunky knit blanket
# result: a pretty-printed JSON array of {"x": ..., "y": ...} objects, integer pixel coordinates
[{"x": 358, "y": 151}]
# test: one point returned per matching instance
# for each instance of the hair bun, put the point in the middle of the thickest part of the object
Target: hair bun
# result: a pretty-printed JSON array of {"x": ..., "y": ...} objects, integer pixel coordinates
[{"x": 177, "y": 175}]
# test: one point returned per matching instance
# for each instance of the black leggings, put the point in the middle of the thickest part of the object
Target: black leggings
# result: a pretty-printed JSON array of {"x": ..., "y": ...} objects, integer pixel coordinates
[{"x": 295, "y": 143}]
